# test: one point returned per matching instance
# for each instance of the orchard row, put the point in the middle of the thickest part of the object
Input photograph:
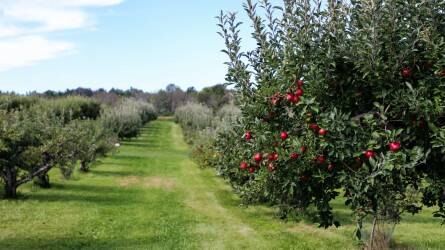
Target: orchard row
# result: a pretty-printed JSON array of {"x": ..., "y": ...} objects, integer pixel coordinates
[{"x": 38, "y": 134}]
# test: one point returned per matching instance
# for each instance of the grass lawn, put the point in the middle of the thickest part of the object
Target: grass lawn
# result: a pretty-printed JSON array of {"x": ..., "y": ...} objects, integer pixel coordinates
[{"x": 150, "y": 195}]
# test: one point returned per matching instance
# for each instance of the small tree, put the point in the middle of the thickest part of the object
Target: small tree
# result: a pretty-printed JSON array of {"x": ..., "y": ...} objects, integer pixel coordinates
[{"x": 32, "y": 143}]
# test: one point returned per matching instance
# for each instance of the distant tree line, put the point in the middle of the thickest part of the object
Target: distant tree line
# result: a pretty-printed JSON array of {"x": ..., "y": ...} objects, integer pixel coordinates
[{"x": 165, "y": 100}]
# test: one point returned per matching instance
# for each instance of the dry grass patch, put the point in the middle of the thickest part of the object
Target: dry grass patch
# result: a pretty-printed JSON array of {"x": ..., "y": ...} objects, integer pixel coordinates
[
  {"x": 129, "y": 181},
  {"x": 303, "y": 228},
  {"x": 159, "y": 182},
  {"x": 148, "y": 182}
]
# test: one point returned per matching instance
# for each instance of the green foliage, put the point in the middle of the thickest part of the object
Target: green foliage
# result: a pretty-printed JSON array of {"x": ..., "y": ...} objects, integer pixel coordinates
[
  {"x": 32, "y": 143},
  {"x": 369, "y": 73},
  {"x": 72, "y": 108},
  {"x": 37, "y": 135},
  {"x": 14, "y": 102},
  {"x": 128, "y": 118},
  {"x": 113, "y": 208},
  {"x": 94, "y": 140},
  {"x": 201, "y": 128},
  {"x": 193, "y": 117},
  {"x": 214, "y": 97}
]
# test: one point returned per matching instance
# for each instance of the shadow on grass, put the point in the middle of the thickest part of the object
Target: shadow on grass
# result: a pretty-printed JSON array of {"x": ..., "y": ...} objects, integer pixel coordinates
[
  {"x": 113, "y": 173},
  {"x": 87, "y": 240},
  {"x": 97, "y": 198},
  {"x": 88, "y": 188}
]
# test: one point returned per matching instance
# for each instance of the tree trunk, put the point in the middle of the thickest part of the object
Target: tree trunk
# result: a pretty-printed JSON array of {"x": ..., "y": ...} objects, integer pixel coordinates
[
  {"x": 84, "y": 166},
  {"x": 374, "y": 223},
  {"x": 43, "y": 181},
  {"x": 11, "y": 183}
]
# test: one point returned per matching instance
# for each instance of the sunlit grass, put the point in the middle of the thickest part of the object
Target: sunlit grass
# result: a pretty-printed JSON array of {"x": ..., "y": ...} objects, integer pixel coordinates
[{"x": 150, "y": 195}]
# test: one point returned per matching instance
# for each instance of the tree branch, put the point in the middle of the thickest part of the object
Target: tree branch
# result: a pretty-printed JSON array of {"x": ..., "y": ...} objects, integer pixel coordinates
[{"x": 39, "y": 171}]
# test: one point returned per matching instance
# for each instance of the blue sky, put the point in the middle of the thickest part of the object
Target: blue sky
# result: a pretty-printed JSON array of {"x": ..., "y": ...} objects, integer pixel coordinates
[{"x": 147, "y": 44}]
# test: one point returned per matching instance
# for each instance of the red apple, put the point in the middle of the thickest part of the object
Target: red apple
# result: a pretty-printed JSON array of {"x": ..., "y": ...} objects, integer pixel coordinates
[
  {"x": 258, "y": 157},
  {"x": 295, "y": 99},
  {"x": 284, "y": 135},
  {"x": 300, "y": 83},
  {"x": 357, "y": 163},
  {"x": 314, "y": 127},
  {"x": 322, "y": 132},
  {"x": 290, "y": 97},
  {"x": 395, "y": 146},
  {"x": 294, "y": 156},
  {"x": 271, "y": 167},
  {"x": 406, "y": 72},
  {"x": 273, "y": 156},
  {"x": 369, "y": 154},
  {"x": 274, "y": 101},
  {"x": 248, "y": 135},
  {"x": 321, "y": 159},
  {"x": 303, "y": 149},
  {"x": 243, "y": 166},
  {"x": 299, "y": 92},
  {"x": 251, "y": 170},
  {"x": 304, "y": 178},
  {"x": 331, "y": 167}
]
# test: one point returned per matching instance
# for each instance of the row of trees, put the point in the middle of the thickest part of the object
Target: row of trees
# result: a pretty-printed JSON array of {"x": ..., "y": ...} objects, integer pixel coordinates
[
  {"x": 165, "y": 100},
  {"x": 39, "y": 134},
  {"x": 168, "y": 100},
  {"x": 339, "y": 98},
  {"x": 201, "y": 126}
]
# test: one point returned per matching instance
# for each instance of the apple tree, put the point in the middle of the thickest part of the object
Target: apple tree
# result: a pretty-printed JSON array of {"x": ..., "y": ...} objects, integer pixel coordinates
[{"x": 340, "y": 97}]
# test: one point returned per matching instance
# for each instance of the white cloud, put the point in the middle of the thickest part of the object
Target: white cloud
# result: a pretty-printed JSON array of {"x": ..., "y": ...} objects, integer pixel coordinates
[
  {"x": 27, "y": 50},
  {"x": 26, "y": 24}
]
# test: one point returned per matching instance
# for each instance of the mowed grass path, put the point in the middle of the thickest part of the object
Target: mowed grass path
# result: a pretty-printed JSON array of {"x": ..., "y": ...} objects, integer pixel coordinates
[{"x": 150, "y": 195}]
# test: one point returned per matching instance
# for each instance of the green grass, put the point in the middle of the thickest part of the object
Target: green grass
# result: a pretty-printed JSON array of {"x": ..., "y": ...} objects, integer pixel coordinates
[{"x": 150, "y": 195}]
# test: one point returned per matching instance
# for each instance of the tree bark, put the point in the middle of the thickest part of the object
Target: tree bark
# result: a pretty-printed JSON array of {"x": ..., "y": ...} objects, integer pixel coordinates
[
  {"x": 11, "y": 183},
  {"x": 374, "y": 223},
  {"x": 43, "y": 181},
  {"x": 84, "y": 166}
]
